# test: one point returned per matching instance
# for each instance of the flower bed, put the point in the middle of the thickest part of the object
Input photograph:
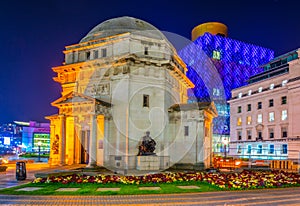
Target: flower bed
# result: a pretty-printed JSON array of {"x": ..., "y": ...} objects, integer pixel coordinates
[{"x": 243, "y": 180}]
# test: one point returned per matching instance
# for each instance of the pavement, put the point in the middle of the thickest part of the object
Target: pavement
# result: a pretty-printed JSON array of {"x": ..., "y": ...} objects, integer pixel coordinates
[
  {"x": 8, "y": 178},
  {"x": 283, "y": 196}
]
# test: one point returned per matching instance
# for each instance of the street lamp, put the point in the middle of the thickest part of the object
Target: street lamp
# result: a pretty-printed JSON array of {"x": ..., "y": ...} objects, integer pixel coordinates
[
  {"x": 39, "y": 146},
  {"x": 225, "y": 142}
]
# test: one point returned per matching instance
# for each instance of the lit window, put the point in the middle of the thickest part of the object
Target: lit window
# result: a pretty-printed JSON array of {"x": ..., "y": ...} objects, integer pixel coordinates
[
  {"x": 249, "y": 92},
  {"x": 216, "y": 55},
  {"x": 271, "y": 86},
  {"x": 259, "y": 105},
  {"x": 249, "y": 134},
  {"x": 260, "y": 89},
  {"x": 239, "y": 109},
  {"x": 283, "y": 100},
  {"x": 216, "y": 92},
  {"x": 259, "y": 149},
  {"x": 239, "y": 121},
  {"x": 146, "y": 100},
  {"x": 104, "y": 52},
  {"x": 249, "y": 107},
  {"x": 271, "y": 133},
  {"x": 271, "y": 102},
  {"x": 284, "y": 132},
  {"x": 249, "y": 120},
  {"x": 271, "y": 149},
  {"x": 259, "y": 118},
  {"x": 284, "y": 115},
  {"x": 271, "y": 117},
  {"x": 284, "y": 82},
  {"x": 240, "y": 95},
  {"x": 239, "y": 134},
  {"x": 284, "y": 149},
  {"x": 186, "y": 130},
  {"x": 249, "y": 149}
]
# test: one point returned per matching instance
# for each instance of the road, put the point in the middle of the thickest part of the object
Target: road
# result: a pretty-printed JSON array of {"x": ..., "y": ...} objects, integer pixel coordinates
[{"x": 286, "y": 196}]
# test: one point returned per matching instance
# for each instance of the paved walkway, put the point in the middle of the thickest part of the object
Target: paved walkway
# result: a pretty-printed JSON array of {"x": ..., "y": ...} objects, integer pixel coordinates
[
  {"x": 284, "y": 196},
  {"x": 8, "y": 178}
]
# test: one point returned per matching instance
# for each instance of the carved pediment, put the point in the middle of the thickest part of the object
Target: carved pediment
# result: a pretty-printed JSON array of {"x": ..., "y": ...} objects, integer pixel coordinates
[{"x": 78, "y": 98}]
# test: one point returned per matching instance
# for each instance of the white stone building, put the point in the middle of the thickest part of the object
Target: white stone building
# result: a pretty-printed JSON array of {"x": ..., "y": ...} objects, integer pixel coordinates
[
  {"x": 265, "y": 115},
  {"x": 122, "y": 79}
]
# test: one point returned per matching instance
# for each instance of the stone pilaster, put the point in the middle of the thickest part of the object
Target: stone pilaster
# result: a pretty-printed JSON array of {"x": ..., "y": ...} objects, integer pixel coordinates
[
  {"x": 93, "y": 142},
  {"x": 62, "y": 141}
]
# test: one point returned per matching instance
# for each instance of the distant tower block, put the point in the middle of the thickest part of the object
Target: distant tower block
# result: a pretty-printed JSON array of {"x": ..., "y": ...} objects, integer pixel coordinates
[{"x": 214, "y": 28}]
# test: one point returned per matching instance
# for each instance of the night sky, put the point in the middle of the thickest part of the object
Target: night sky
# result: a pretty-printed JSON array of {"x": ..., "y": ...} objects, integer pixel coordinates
[{"x": 34, "y": 34}]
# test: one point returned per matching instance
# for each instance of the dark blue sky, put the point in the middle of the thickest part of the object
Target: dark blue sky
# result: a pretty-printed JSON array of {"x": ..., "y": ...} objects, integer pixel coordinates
[{"x": 34, "y": 33}]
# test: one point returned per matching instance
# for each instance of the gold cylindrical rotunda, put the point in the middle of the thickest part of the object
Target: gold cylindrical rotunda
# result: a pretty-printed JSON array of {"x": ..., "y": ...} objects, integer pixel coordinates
[{"x": 214, "y": 28}]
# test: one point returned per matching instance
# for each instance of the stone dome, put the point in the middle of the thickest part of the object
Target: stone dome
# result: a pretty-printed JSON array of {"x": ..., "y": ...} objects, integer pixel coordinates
[{"x": 122, "y": 25}]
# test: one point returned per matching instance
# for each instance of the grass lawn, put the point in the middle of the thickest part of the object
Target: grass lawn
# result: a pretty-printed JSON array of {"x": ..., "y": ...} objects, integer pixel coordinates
[{"x": 90, "y": 189}]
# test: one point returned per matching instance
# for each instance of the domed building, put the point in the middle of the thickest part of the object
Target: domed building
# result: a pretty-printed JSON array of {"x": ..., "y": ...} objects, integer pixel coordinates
[{"x": 123, "y": 80}]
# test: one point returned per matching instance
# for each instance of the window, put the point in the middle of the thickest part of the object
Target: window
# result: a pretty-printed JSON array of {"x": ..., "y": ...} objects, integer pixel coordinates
[
  {"x": 240, "y": 95},
  {"x": 271, "y": 117},
  {"x": 249, "y": 134},
  {"x": 249, "y": 92},
  {"x": 284, "y": 115},
  {"x": 146, "y": 52},
  {"x": 271, "y": 86},
  {"x": 249, "y": 149},
  {"x": 104, "y": 52},
  {"x": 239, "y": 109},
  {"x": 249, "y": 107},
  {"x": 284, "y": 149},
  {"x": 271, "y": 102},
  {"x": 284, "y": 82},
  {"x": 259, "y": 105},
  {"x": 239, "y": 134},
  {"x": 260, "y": 89},
  {"x": 259, "y": 149},
  {"x": 96, "y": 54},
  {"x": 259, "y": 118},
  {"x": 283, "y": 100},
  {"x": 248, "y": 119},
  {"x": 259, "y": 133},
  {"x": 239, "y": 121},
  {"x": 284, "y": 132},
  {"x": 186, "y": 130},
  {"x": 239, "y": 149},
  {"x": 145, "y": 100},
  {"x": 88, "y": 55},
  {"x": 216, "y": 92},
  {"x": 216, "y": 55},
  {"x": 271, "y": 149},
  {"x": 271, "y": 133}
]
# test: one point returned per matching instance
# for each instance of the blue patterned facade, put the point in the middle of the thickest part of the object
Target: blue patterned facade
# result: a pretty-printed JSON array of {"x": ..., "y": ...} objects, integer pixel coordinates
[{"x": 216, "y": 66}]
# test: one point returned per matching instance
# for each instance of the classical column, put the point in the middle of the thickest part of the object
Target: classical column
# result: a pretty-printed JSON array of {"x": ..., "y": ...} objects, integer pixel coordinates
[
  {"x": 93, "y": 142},
  {"x": 77, "y": 142},
  {"x": 52, "y": 136},
  {"x": 106, "y": 143},
  {"x": 200, "y": 136},
  {"x": 62, "y": 142}
]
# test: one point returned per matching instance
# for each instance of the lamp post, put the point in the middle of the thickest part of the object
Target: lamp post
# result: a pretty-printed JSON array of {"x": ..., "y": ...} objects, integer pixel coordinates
[
  {"x": 39, "y": 146},
  {"x": 225, "y": 142}
]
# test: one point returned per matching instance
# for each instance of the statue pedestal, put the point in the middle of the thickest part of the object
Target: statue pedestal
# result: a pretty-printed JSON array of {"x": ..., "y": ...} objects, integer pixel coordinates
[{"x": 148, "y": 163}]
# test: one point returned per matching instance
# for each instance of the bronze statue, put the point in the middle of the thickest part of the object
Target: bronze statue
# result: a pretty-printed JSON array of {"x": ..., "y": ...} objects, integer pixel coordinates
[{"x": 147, "y": 145}]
